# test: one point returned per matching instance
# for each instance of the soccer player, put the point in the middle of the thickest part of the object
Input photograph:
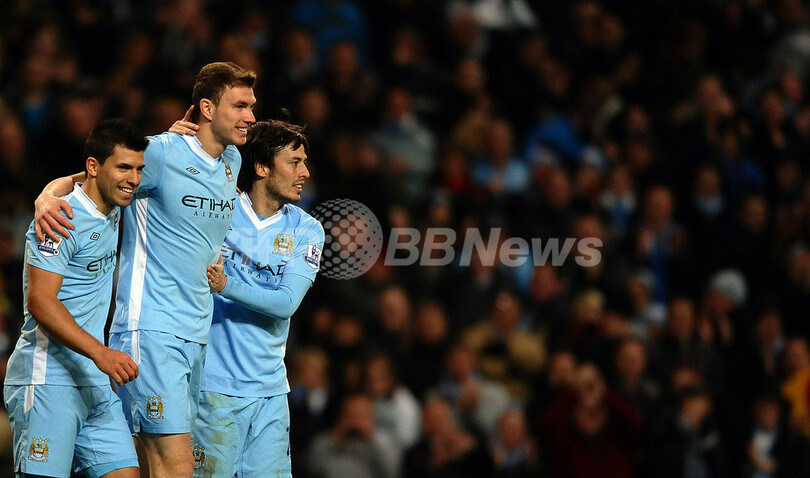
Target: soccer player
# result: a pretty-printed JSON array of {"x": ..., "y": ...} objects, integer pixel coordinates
[
  {"x": 64, "y": 414},
  {"x": 269, "y": 261},
  {"x": 172, "y": 232}
]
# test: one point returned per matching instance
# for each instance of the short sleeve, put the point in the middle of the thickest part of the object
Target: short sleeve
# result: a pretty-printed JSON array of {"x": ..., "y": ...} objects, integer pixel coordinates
[
  {"x": 154, "y": 159},
  {"x": 49, "y": 255},
  {"x": 307, "y": 251}
]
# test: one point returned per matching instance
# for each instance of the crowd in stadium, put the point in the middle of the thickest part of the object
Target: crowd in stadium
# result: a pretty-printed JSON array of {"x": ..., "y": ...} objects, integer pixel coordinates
[{"x": 675, "y": 132}]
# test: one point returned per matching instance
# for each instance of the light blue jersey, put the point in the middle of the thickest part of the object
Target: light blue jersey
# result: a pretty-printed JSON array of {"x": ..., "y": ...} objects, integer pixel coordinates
[
  {"x": 270, "y": 263},
  {"x": 172, "y": 232},
  {"x": 86, "y": 260}
]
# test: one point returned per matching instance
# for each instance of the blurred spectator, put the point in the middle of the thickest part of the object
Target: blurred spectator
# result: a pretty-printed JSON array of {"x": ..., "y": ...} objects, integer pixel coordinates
[
  {"x": 681, "y": 341},
  {"x": 618, "y": 200},
  {"x": 354, "y": 446},
  {"x": 410, "y": 65},
  {"x": 661, "y": 243},
  {"x": 479, "y": 402},
  {"x": 726, "y": 294},
  {"x": 559, "y": 377},
  {"x": 409, "y": 145},
  {"x": 549, "y": 303},
  {"x": 351, "y": 87},
  {"x": 689, "y": 443},
  {"x": 299, "y": 67},
  {"x": 514, "y": 452},
  {"x": 508, "y": 353},
  {"x": 391, "y": 330},
  {"x": 499, "y": 172},
  {"x": 429, "y": 347},
  {"x": 332, "y": 21},
  {"x": 633, "y": 380},
  {"x": 396, "y": 411},
  {"x": 590, "y": 430},
  {"x": 775, "y": 450},
  {"x": 446, "y": 449},
  {"x": 795, "y": 387},
  {"x": 311, "y": 399}
]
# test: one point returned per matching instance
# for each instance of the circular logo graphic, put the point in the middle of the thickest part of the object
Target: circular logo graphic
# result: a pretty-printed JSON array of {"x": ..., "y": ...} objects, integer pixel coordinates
[{"x": 353, "y": 238}]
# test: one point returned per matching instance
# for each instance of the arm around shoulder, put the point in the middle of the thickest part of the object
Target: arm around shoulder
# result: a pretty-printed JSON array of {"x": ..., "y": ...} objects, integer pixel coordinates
[{"x": 49, "y": 205}]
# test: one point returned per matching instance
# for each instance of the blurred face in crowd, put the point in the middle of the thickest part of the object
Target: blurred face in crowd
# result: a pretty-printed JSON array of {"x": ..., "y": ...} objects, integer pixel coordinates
[
  {"x": 658, "y": 208},
  {"x": 707, "y": 182},
  {"x": 631, "y": 361},
  {"x": 682, "y": 318},
  {"x": 562, "y": 370},
  {"x": 460, "y": 363},
  {"x": 797, "y": 356},
  {"x": 754, "y": 214},
  {"x": 766, "y": 412},
  {"x": 379, "y": 377},
  {"x": 512, "y": 429},
  {"x": 357, "y": 416},
  {"x": 394, "y": 310},
  {"x": 431, "y": 324}
]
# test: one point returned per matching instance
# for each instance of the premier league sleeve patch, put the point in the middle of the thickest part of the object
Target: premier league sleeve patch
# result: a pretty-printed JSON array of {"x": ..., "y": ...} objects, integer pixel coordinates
[
  {"x": 49, "y": 247},
  {"x": 313, "y": 256}
]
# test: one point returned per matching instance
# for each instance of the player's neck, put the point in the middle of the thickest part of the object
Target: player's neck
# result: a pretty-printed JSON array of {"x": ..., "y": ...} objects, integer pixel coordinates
[
  {"x": 263, "y": 204},
  {"x": 90, "y": 187},
  {"x": 209, "y": 142}
]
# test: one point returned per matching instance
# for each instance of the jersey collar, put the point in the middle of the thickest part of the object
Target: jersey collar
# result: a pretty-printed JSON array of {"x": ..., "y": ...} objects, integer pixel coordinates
[
  {"x": 88, "y": 203},
  {"x": 196, "y": 147},
  {"x": 247, "y": 205}
]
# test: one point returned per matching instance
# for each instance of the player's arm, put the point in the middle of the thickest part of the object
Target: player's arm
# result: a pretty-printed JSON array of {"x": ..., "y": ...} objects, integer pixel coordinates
[
  {"x": 279, "y": 304},
  {"x": 49, "y": 312},
  {"x": 48, "y": 218}
]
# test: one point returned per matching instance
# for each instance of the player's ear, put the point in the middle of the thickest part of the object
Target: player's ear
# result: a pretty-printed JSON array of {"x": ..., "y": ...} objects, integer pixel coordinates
[
  {"x": 207, "y": 109},
  {"x": 92, "y": 166},
  {"x": 261, "y": 170}
]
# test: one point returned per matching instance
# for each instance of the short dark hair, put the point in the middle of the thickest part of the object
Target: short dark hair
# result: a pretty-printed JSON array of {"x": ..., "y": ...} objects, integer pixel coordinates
[
  {"x": 110, "y": 133},
  {"x": 264, "y": 140},
  {"x": 214, "y": 78}
]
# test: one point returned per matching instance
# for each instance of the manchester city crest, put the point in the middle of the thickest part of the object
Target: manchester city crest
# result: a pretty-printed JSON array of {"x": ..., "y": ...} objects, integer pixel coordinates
[
  {"x": 228, "y": 172},
  {"x": 154, "y": 407},
  {"x": 283, "y": 244},
  {"x": 199, "y": 456},
  {"x": 38, "y": 450}
]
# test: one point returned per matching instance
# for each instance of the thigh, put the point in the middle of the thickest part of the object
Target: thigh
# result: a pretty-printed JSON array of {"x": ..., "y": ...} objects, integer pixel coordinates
[
  {"x": 163, "y": 399},
  {"x": 267, "y": 452},
  {"x": 219, "y": 435},
  {"x": 45, "y": 420},
  {"x": 104, "y": 444}
]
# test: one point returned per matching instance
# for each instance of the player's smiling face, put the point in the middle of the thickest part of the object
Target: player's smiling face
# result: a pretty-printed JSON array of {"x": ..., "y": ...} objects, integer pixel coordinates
[
  {"x": 120, "y": 175},
  {"x": 232, "y": 116},
  {"x": 286, "y": 180}
]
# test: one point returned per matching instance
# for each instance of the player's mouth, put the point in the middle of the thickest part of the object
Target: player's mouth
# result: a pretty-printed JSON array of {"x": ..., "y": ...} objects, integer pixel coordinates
[
  {"x": 242, "y": 130},
  {"x": 127, "y": 191},
  {"x": 298, "y": 187}
]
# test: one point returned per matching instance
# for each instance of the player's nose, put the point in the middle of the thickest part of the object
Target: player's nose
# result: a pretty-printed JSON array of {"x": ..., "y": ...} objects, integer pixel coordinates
[{"x": 134, "y": 178}]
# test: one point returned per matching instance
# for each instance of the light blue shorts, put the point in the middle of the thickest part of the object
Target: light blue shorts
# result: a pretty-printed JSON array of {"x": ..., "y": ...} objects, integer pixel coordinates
[
  {"x": 163, "y": 399},
  {"x": 242, "y": 437},
  {"x": 57, "y": 428}
]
